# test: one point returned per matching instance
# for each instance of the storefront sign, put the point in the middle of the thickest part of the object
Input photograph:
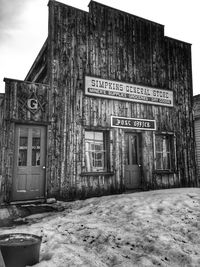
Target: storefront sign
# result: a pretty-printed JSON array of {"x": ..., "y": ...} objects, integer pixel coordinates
[
  {"x": 128, "y": 92},
  {"x": 133, "y": 123}
]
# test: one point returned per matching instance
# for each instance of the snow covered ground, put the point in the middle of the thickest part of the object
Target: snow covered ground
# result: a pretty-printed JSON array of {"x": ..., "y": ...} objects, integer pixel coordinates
[{"x": 155, "y": 228}]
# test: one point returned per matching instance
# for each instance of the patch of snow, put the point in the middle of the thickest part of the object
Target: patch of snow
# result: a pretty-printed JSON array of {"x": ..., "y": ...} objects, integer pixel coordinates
[{"x": 155, "y": 228}]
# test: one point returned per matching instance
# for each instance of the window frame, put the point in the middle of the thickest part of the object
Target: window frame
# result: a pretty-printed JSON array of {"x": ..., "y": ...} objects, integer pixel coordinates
[
  {"x": 106, "y": 149},
  {"x": 171, "y": 152}
]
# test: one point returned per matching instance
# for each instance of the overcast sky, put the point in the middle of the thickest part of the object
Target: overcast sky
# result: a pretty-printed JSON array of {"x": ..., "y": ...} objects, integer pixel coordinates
[{"x": 24, "y": 28}]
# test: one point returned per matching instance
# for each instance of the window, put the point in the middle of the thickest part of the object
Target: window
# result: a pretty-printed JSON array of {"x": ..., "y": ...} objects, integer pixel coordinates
[
  {"x": 36, "y": 147},
  {"x": 23, "y": 147},
  {"x": 95, "y": 151},
  {"x": 163, "y": 152},
  {"x": 29, "y": 147}
]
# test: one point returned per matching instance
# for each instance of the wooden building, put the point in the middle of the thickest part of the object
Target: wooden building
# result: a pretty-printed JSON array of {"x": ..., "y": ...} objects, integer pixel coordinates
[
  {"x": 106, "y": 107},
  {"x": 196, "y": 99}
]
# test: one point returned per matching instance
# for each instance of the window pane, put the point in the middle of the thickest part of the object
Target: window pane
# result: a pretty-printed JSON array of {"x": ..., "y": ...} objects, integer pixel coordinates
[
  {"x": 127, "y": 154},
  {"x": 167, "y": 162},
  {"x": 134, "y": 150},
  {"x": 23, "y": 147},
  {"x": 95, "y": 152},
  {"x": 159, "y": 143},
  {"x": 159, "y": 161},
  {"x": 98, "y": 136},
  {"x": 36, "y": 139},
  {"x": 89, "y": 135},
  {"x": 23, "y": 141},
  {"x": 168, "y": 144},
  {"x": 22, "y": 160}
]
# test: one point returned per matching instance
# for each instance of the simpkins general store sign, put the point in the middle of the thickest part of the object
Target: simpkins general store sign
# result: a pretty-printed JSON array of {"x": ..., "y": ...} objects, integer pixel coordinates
[{"x": 128, "y": 92}]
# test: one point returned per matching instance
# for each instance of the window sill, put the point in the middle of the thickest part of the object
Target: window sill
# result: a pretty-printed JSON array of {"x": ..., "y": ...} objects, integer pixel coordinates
[
  {"x": 96, "y": 174},
  {"x": 164, "y": 171}
]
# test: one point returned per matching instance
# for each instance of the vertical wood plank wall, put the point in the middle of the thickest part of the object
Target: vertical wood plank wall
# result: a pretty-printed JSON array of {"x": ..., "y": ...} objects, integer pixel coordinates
[
  {"x": 114, "y": 45},
  {"x": 2, "y": 147},
  {"x": 196, "y": 100}
]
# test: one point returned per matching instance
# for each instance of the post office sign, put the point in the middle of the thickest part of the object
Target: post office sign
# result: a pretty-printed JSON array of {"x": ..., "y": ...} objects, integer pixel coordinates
[{"x": 133, "y": 123}]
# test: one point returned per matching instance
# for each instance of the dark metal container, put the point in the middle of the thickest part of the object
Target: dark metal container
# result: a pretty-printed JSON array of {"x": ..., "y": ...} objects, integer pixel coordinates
[{"x": 20, "y": 250}]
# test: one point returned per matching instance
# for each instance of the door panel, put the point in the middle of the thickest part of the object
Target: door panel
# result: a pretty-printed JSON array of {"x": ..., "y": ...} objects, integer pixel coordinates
[
  {"x": 29, "y": 162},
  {"x": 34, "y": 183},
  {"x": 21, "y": 182},
  {"x": 132, "y": 165}
]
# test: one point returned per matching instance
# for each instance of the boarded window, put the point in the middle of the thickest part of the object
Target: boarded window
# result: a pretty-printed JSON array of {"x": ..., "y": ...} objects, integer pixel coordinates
[
  {"x": 164, "y": 152},
  {"x": 95, "y": 151}
]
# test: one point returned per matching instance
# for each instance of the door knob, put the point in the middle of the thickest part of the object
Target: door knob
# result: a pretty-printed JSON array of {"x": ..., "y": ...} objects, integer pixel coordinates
[{"x": 44, "y": 167}]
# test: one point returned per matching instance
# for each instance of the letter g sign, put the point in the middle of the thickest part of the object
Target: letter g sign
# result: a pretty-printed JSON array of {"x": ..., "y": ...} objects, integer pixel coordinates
[{"x": 32, "y": 103}]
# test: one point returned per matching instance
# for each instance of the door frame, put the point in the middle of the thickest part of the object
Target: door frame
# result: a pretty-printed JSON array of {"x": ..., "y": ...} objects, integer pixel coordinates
[
  {"x": 139, "y": 149},
  {"x": 36, "y": 124}
]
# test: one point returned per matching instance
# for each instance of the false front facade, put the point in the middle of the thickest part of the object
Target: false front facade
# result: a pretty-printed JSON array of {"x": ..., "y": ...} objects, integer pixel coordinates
[{"x": 106, "y": 107}]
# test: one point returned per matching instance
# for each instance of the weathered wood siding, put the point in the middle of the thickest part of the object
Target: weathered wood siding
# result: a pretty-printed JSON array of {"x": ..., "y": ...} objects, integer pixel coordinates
[
  {"x": 68, "y": 33},
  {"x": 197, "y": 131},
  {"x": 15, "y": 111},
  {"x": 2, "y": 145},
  {"x": 114, "y": 45},
  {"x": 179, "y": 79}
]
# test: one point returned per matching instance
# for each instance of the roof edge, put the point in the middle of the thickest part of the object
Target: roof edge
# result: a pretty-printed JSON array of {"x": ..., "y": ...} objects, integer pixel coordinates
[
  {"x": 177, "y": 40},
  {"x": 23, "y": 81},
  {"x": 37, "y": 58},
  {"x": 59, "y": 3},
  {"x": 126, "y": 13}
]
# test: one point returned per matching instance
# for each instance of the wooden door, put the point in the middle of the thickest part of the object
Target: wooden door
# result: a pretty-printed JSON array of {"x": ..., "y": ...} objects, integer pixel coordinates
[
  {"x": 132, "y": 165},
  {"x": 29, "y": 163}
]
